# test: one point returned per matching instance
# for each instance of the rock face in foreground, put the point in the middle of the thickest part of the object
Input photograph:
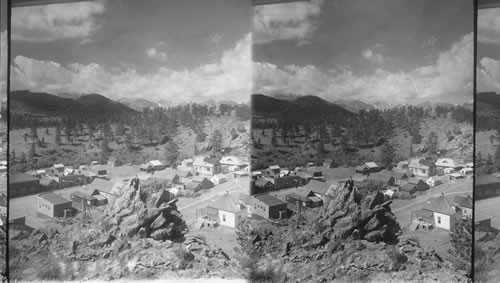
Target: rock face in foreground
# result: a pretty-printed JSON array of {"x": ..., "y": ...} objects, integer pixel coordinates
[
  {"x": 140, "y": 212},
  {"x": 349, "y": 214},
  {"x": 354, "y": 238}
]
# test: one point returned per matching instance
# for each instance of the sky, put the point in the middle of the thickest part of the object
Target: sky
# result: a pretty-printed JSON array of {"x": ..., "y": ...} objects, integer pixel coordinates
[
  {"x": 392, "y": 51},
  {"x": 178, "y": 50},
  {"x": 3, "y": 50},
  {"x": 488, "y": 50}
]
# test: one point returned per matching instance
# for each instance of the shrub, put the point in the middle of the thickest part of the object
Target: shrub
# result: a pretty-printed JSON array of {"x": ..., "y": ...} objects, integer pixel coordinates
[
  {"x": 50, "y": 273},
  {"x": 184, "y": 256}
]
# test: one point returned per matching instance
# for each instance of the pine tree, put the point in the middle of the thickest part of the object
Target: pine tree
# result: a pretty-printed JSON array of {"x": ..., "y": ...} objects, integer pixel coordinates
[
  {"x": 387, "y": 155},
  {"x": 58, "y": 137},
  {"x": 461, "y": 241},
  {"x": 171, "y": 153}
]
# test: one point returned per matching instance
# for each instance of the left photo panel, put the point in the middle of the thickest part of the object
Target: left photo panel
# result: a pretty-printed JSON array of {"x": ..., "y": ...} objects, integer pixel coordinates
[{"x": 129, "y": 139}]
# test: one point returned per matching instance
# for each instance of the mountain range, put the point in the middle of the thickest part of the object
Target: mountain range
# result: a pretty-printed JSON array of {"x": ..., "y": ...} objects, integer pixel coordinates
[
  {"x": 24, "y": 101},
  {"x": 487, "y": 103},
  {"x": 301, "y": 107}
]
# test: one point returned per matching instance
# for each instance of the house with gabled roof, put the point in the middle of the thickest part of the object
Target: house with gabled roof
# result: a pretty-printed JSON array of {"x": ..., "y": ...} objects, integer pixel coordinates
[
  {"x": 434, "y": 181},
  {"x": 442, "y": 211},
  {"x": 463, "y": 204},
  {"x": 362, "y": 169},
  {"x": 203, "y": 181},
  {"x": 420, "y": 184},
  {"x": 372, "y": 167},
  {"x": 207, "y": 165},
  {"x": 49, "y": 183},
  {"x": 229, "y": 210},
  {"x": 275, "y": 169},
  {"x": 227, "y": 161},
  {"x": 218, "y": 179},
  {"x": 400, "y": 178},
  {"x": 58, "y": 168},
  {"x": 384, "y": 178},
  {"x": 422, "y": 168},
  {"x": 166, "y": 177},
  {"x": 192, "y": 187},
  {"x": 105, "y": 188}
]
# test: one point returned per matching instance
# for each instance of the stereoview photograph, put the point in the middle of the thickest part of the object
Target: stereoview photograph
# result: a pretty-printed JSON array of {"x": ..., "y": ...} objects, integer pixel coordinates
[
  {"x": 362, "y": 134},
  {"x": 129, "y": 139}
]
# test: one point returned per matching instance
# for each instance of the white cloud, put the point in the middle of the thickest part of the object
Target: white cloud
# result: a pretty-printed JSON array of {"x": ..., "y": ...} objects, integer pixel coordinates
[
  {"x": 48, "y": 23},
  {"x": 291, "y": 21},
  {"x": 375, "y": 58},
  {"x": 228, "y": 78},
  {"x": 450, "y": 76},
  {"x": 488, "y": 26},
  {"x": 156, "y": 54},
  {"x": 488, "y": 75}
]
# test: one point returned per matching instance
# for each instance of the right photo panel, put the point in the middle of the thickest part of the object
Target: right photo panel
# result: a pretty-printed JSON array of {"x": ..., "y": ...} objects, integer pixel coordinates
[
  {"x": 362, "y": 133},
  {"x": 487, "y": 159}
]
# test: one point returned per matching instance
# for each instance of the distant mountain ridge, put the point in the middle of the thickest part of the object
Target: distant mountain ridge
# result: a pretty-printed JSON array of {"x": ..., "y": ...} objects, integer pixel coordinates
[
  {"x": 24, "y": 101},
  {"x": 487, "y": 103},
  {"x": 303, "y": 107}
]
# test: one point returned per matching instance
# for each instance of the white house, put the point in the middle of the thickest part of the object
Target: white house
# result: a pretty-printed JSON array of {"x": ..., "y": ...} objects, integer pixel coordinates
[
  {"x": 467, "y": 171},
  {"x": 229, "y": 211},
  {"x": 446, "y": 163},
  {"x": 218, "y": 179},
  {"x": 443, "y": 212},
  {"x": 434, "y": 181},
  {"x": 231, "y": 161}
]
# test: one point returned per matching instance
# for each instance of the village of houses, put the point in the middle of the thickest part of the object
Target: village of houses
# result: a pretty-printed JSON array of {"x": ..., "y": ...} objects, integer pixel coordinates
[
  {"x": 207, "y": 190},
  {"x": 427, "y": 195},
  {"x": 215, "y": 194}
]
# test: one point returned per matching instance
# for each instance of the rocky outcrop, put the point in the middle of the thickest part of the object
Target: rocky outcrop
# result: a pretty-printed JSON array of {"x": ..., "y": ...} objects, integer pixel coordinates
[
  {"x": 350, "y": 214},
  {"x": 143, "y": 213}
]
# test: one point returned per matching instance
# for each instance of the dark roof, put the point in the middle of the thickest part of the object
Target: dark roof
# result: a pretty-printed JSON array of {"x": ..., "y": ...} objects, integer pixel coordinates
[
  {"x": 269, "y": 199},
  {"x": 212, "y": 160},
  {"x": 21, "y": 178},
  {"x": 399, "y": 175},
  {"x": 382, "y": 176},
  {"x": 54, "y": 198},
  {"x": 199, "y": 179},
  {"x": 408, "y": 187},
  {"x": 318, "y": 186},
  {"x": 463, "y": 201},
  {"x": 184, "y": 173},
  {"x": 261, "y": 182},
  {"x": 415, "y": 181},
  {"x": 192, "y": 186},
  {"x": 439, "y": 205},
  {"x": 224, "y": 202},
  {"x": 487, "y": 180},
  {"x": 101, "y": 185},
  {"x": 299, "y": 197},
  {"x": 83, "y": 195}
]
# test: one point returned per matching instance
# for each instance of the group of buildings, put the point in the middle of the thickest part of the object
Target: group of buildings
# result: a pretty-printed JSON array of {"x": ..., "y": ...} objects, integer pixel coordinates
[
  {"x": 309, "y": 186},
  {"x": 95, "y": 187}
]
